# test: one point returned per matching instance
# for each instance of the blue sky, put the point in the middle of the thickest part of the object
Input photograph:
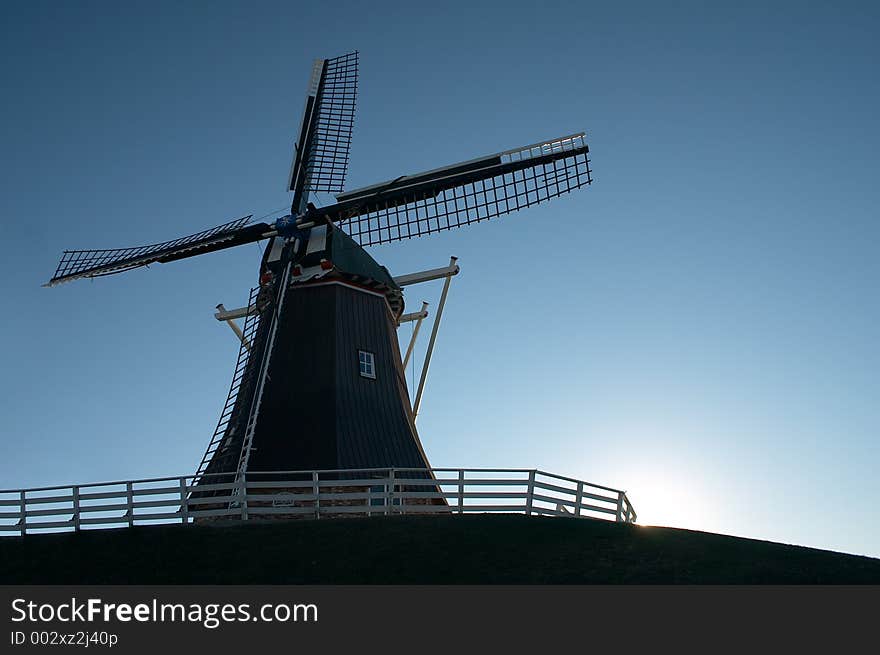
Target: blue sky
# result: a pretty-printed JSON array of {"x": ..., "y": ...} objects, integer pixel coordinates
[{"x": 698, "y": 327}]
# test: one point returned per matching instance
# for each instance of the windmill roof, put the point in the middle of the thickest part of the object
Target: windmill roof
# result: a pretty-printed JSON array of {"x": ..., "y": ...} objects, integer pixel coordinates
[
  {"x": 350, "y": 262},
  {"x": 350, "y": 257}
]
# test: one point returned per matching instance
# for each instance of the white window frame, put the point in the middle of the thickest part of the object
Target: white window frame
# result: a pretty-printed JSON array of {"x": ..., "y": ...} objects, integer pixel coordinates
[{"x": 367, "y": 364}]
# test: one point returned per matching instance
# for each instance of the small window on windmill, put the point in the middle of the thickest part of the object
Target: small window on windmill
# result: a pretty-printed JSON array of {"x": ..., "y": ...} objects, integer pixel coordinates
[{"x": 367, "y": 364}]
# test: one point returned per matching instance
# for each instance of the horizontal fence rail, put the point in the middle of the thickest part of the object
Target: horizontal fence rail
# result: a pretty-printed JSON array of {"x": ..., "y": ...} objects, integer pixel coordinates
[{"x": 307, "y": 494}]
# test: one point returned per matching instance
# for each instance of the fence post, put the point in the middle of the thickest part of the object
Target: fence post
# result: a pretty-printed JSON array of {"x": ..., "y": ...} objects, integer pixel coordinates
[
  {"x": 316, "y": 490},
  {"x": 461, "y": 491},
  {"x": 389, "y": 493},
  {"x": 619, "y": 516},
  {"x": 630, "y": 514},
  {"x": 530, "y": 492},
  {"x": 76, "y": 508},
  {"x": 401, "y": 506},
  {"x": 579, "y": 499},
  {"x": 242, "y": 492},
  {"x": 129, "y": 501},
  {"x": 22, "y": 508},
  {"x": 184, "y": 506}
]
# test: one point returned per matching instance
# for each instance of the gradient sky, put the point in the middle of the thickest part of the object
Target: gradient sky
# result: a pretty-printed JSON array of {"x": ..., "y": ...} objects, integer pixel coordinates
[{"x": 699, "y": 327}]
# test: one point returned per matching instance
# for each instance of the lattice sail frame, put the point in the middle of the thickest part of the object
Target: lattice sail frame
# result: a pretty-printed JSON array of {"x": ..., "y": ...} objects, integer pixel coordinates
[
  {"x": 76, "y": 264},
  {"x": 327, "y": 160},
  {"x": 425, "y": 211}
]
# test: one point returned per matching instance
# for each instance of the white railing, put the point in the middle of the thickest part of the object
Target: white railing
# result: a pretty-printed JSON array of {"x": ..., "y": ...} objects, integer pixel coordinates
[{"x": 307, "y": 494}]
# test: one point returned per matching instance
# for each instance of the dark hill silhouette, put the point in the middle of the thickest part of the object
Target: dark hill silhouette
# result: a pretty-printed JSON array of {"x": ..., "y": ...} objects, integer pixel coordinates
[{"x": 477, "y": 549}]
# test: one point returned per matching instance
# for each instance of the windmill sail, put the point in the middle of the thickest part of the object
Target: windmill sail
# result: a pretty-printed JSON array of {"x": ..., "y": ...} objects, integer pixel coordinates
[
  {"x": 464, "y": 193},
  {"x": 76, "y": 264},
  {"x": 320, "y": 160}
]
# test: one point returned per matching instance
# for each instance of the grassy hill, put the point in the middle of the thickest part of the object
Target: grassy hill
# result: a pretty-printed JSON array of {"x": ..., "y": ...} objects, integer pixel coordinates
[{"x": 419, "y": 550}]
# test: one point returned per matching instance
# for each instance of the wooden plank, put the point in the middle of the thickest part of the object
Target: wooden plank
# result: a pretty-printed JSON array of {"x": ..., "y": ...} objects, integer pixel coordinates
[
  {"x": 351, "y": 509},
  {"x": 102, "y": 508},
  {"x": 460, "y": 491},
  {"x": 128, "y": 500},
  {"x": 76, "y": 508},
  {"x": 103, "y": 495},
  {"x": 316, "y": 491},
  {"x": 156, "y": 516},
  {"x": 496, "y": 494},
  {"x": 427, "y": 509},
  {"x": 207, "y": 513},
  {"x": 350, "y": 495},
  {"x": 281, "y": 484},
  {"x": 280, "y": 510},
  {"x": 48, "y": 512},
  {"x": 184, "y": 506},
  {"x": 546, "y": 511},
  {"x": 426, "y": 494},
  {"x": 156, "y": 503},
  {"x": 103, "y": 520},
  {"x": 220, "y": 486},
  {"x": 589, "y": 484},
  {"x": 594, "y": 508},
  {"x": 530, "y": 494},
  {"x": 553, "y": 487},
  {"x": 574, "y": 492},
  {"x": 427, "y": 481},
  {"x": 255, "y": 498},
  {"x": 47, "y": 499},
  {"x": 212, "y": 500},
  {"x": 50, "y": 524},
  {"x": 500, "y": 482},
  {"x": 554, "y": 501},
  {"x": 155, "y": 491},
  {"x": 604, "y": 499}
]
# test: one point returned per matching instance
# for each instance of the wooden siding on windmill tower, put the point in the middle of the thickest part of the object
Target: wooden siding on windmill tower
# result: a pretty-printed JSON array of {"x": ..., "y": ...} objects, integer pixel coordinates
[{"x": 320, "y": 413}]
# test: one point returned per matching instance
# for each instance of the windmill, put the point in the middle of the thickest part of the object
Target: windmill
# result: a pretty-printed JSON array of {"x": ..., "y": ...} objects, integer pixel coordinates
[{"x": 319, "y": 382}]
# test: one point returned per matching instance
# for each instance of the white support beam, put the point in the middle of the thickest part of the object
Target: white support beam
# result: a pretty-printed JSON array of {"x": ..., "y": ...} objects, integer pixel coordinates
[
  {"x": 427, "y": 276},
  {"x": 412, "y": 342},
  {"x": 415, "y": 316},
  {"x": 224, "y": 314},
  {"x": 228, "y": 317},
  {"x": 434, "y": 329}
]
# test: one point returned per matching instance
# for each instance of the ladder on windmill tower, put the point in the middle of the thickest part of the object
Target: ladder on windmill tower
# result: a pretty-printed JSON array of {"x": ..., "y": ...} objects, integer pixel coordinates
[
  {"x": 262, "y": 376},
  {"x": 241, "y": 377}
]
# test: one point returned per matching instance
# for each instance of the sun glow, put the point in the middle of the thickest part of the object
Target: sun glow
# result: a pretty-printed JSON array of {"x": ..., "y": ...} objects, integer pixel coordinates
[
  {"x": 664, "y": 490},
  {"x": 662, "y": 498}
]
